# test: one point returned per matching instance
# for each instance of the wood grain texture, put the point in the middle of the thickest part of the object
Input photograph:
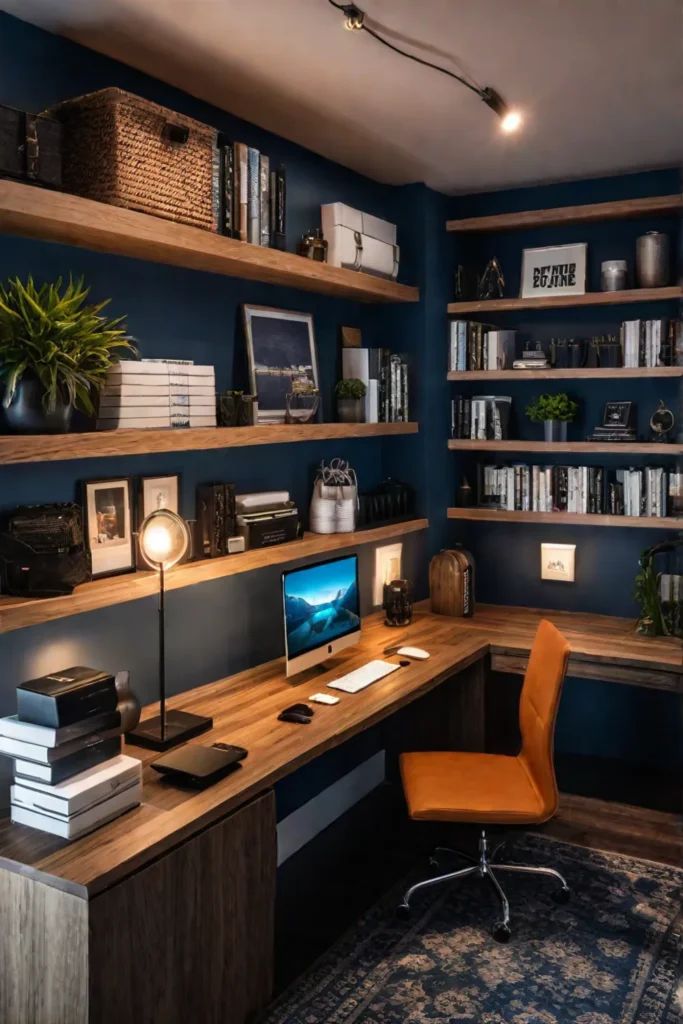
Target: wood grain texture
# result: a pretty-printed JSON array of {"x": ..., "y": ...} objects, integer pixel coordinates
[
  {"x": 567, "y": 447},
  {"x": 579, "y": 373},
  {"x": 57, "y": 217},
  {"x": 190, "y": 938},
  {"x": 18, "y": 613},
  {"x": 620, "y": 209},
  {"x": 492, "y": 515},
  {"x": 43, "y": 953},
  {"x": 568, "y": 301},
  {"x": 245, "y": 709},
  {"x": 102, "y": 444},
  {"x": 581, "y": 669}
]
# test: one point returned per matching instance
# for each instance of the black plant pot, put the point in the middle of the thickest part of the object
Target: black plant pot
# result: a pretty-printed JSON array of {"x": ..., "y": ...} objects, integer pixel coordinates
[{"x": 26, "y": 415}]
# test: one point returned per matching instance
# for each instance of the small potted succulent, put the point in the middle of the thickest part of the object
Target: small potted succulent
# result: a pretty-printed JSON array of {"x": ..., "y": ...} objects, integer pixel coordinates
[
  {"x": 55, "y": 352},
  {"x": 554, "y": 412},
  {"x": 350, "y": 400}
]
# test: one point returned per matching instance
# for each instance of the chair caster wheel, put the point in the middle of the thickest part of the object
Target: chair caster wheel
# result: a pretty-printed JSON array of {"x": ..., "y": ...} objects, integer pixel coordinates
[
  {"x": 502, "y": 932},
  {"x": 562, "y": 895},
  {"x": 403, "y": 911}
]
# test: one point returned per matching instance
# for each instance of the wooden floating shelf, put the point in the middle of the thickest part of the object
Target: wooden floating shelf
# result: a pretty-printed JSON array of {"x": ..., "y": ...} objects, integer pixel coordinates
[
  {"x": 569, "y": 301},
  {"x": 17, "y": 613},
  {"x": 578, "y": 373},
  {"x": 568, "y": 447},
  {"x": 621, "y": 209},
  {"x": 71, "y": 220},
  {"x": 15, "y": 448},
  {"x": 492, "y": 515}
]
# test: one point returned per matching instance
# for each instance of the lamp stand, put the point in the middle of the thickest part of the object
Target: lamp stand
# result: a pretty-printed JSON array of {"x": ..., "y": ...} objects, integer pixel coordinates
[{"x": 167, "y": 729}]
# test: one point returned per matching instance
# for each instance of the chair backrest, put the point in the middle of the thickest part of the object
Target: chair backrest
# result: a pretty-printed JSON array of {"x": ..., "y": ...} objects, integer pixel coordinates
[{"x": 538, "y": 706}]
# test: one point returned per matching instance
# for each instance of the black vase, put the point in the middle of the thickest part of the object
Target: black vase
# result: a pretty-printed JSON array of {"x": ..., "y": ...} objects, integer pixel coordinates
[{"x": 26, "y": 415}]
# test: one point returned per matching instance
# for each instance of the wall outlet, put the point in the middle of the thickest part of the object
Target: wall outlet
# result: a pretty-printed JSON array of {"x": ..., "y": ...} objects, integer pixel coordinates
[
  {"x": 558, "y": 561},
  {"x": 387, "y": 568}
]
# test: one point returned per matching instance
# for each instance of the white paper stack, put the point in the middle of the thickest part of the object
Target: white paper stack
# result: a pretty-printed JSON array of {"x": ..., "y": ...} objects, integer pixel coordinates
[
  {"x": 82, "y": 803},
  {"x": 158, "y": 393}
]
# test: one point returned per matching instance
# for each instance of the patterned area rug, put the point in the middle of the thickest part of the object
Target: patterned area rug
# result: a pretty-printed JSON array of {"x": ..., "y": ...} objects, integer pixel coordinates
[{"x": 612, "y": 955}]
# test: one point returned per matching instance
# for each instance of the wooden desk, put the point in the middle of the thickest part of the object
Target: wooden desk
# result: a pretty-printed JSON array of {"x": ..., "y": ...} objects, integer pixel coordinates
[{"x": 183, "y": 862}]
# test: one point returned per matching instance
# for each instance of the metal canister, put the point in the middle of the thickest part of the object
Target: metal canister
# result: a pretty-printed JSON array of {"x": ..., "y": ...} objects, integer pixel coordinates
[
  {"x": 613, "y": 275},
  {"x": 652, "y": 260}
]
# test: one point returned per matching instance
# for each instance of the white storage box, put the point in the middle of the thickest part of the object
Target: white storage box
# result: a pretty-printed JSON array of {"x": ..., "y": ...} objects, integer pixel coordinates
[{"x": 359, "y": 241}]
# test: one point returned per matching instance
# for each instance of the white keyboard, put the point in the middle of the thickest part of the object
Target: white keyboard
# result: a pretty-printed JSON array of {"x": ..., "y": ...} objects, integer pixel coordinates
[{"x": 363, "y": 676}]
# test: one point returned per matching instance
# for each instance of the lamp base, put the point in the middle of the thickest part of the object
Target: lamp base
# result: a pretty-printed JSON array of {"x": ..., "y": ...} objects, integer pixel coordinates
[{"x": 180, "y": 726}]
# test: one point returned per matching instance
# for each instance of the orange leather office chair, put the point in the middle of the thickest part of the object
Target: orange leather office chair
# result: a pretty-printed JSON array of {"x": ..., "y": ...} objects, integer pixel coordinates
[{"x": 496, "y": 789}]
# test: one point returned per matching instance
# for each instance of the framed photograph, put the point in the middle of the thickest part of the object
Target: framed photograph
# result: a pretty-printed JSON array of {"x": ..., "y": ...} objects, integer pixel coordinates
[
  {"x": 554, "y": 270},
  {"x": 618, "y": 415},
  {"x": 109, "y": 526},
  {"x": 281, "y": 357},
  {"x": 156, "y": 492}
]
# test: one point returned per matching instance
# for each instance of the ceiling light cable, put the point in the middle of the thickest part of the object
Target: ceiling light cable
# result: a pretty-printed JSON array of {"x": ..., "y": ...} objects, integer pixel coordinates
[{"x": 355, "y": 21}]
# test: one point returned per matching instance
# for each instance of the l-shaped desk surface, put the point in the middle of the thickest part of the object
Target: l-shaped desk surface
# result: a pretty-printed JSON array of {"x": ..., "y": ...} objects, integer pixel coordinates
[{"x": 245, "y": 706}]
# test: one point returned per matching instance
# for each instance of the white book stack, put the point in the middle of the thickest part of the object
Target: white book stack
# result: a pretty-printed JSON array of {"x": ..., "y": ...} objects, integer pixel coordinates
[
  {"x": 158, "y": 393},
  {"x": 82, "y": 803}
]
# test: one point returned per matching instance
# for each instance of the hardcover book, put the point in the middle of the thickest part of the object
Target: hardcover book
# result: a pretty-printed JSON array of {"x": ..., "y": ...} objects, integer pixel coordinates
[{"x": 66, "y": 696}]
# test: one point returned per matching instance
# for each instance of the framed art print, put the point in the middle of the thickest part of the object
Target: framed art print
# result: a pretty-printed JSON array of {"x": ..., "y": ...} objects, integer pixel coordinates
[
  {"x": 281, "y": 357},
  {"x": 155, "y": 492},
  {"x": 554, "y": 270},
  {"x": 109, "y": 526}
]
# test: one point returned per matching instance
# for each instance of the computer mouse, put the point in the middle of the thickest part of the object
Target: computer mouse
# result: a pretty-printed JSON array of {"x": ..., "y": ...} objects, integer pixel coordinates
[
  {"x": 413, "y": 652},
  {"x": 294, "y": 716},
  {"x": 303, "y": 709}
]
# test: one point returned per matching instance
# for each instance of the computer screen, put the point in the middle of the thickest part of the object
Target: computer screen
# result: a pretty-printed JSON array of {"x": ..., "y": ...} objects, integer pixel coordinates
[{"x": 321, "y": 605}]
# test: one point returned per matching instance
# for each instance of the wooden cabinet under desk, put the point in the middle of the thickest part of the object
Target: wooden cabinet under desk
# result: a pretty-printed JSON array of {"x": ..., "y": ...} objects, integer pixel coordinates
[{"x": 187, "y": 938}]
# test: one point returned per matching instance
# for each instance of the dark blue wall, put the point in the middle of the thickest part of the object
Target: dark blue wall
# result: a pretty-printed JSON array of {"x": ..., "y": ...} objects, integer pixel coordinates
[{"x": 595, "y": 718}]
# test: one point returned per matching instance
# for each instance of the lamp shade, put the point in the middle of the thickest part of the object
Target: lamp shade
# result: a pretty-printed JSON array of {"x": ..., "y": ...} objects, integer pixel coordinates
[{"x": 164, "y": 538}]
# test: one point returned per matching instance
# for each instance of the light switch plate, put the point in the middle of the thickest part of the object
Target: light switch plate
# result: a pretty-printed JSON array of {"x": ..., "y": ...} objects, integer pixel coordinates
[
  {"x": 387, "y": 568},
  {"x": 558, "y": 562}
]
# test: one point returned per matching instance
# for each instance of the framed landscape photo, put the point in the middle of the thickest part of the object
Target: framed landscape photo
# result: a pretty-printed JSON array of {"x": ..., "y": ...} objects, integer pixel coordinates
[
  {"x": 109, "y": 526},
  {"x": 281, "y": 357},
  {"x": 156, "y": 492},
  {"x": 554, "y": 270}
]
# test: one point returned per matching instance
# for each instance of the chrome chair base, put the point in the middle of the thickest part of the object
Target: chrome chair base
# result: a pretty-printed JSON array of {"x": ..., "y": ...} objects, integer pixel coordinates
[{"x": 483, "y": 867}]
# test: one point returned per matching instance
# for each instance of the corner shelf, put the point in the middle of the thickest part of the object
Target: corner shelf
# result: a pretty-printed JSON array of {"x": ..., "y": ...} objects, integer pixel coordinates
[
  {"x": 98, "y": 444},
  {"x": 566, "y": 518},
  {"x": 58, "y": 217},
  {"x": 569, "y": 301},
  {"x": 578, "y": 373},
  {"x": 18, "y": 613},
  {"x": 626, "y": 209},
  {"x": 567, "y": 447}
]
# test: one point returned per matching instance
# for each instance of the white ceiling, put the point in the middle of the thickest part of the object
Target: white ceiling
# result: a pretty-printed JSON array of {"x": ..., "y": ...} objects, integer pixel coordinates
[{"x": 600, "y": 82}]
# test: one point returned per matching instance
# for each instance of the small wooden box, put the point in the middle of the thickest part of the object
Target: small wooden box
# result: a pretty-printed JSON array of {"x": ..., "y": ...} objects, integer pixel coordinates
[
  {"x": 30, "y": 147},
  {"x": 451, "y": 583}
]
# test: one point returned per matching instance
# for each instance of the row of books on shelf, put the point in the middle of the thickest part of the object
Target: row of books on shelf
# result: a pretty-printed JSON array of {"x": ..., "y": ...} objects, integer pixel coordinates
[
  {"x": 158, "y": 393},
  {"x": 650, "y": 342},
  {"x": 251, "y": 196},
  {"x": 70, "y": 776},
  {"x": 385, "y": 375},
  {"x": 475, "y": 346},
  {"x": 481, "y": 417},
  {"x": 646, "y": 491}
]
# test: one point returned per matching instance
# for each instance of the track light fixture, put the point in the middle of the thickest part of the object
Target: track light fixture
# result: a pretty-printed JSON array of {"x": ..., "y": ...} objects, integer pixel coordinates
[{"x": 510, "y": 120}]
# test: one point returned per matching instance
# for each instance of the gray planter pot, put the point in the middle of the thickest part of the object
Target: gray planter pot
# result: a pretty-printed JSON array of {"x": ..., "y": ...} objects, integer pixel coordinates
[
  {"x": 26, "y": 414},
  {"x": 351, "y": 410},
  {"x": 555, "y": 430}
]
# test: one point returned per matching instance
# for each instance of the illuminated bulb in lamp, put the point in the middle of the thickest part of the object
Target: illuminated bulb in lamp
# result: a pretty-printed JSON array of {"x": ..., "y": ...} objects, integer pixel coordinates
[
  {"x": 158, "y": 543},
  {"x": 511, "y": 122}
]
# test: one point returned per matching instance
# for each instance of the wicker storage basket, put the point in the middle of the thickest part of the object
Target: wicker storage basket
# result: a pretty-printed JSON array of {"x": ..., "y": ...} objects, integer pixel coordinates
[{"x": 123, "y": 150}]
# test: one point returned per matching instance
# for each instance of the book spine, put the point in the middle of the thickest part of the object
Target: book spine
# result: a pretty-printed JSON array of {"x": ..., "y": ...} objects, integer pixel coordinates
[
  {"x": 228, "y": 170},
  {"x": 216, "y": 187},
  {"x": 264, "y": 197},
  {"x": 241, "y": 191},
  {"x": 253, "y": 197},
  {"x": 278, "y": 200}
]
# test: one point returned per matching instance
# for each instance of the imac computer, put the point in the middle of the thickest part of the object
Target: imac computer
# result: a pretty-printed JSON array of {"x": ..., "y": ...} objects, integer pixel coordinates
[{"x": 321, "y": 610}]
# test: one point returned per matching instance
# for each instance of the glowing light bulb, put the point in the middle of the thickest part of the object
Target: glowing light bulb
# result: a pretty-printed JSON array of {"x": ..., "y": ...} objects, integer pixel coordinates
[
  {"x": 511, "y": 122},
  {"x": 158, "y": 542}
]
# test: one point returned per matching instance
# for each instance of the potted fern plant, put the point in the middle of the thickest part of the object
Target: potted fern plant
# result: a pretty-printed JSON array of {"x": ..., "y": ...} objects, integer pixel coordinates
[
  {"x": 350, "y": 405},
  {"x": 554, "y": 412},
  {"x": 55, "y": 352}
]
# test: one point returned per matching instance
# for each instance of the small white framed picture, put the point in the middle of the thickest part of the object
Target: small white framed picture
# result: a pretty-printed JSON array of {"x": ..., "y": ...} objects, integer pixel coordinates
[
  {"x": 157, "y": 492},
  {"x": 109, "y": 526},
  {"x": 558, "y": 562},
  {"x": 554, "y": 270}
]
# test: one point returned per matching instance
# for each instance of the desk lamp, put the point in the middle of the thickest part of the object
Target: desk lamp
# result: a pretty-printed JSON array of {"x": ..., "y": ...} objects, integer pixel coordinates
[{"x": 164, "y": 538}]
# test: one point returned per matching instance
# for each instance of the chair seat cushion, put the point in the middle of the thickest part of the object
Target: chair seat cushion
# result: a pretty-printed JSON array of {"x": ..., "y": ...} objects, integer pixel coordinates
[{"x": 459, "y": 786}]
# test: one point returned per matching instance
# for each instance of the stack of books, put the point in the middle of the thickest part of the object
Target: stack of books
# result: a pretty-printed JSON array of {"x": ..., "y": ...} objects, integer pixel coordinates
[
  {"x": 481, "y": 418},
  {"x": 252, "y": 197},
  {"x": 645, "y": 491},
  {"x": 385, "y": 375},
  {"x": 69, "y": 774},
  {"x": 158, "y": 393},
  {"x": 475, "y": 346},
  {"x": 267, "y": 517}
]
